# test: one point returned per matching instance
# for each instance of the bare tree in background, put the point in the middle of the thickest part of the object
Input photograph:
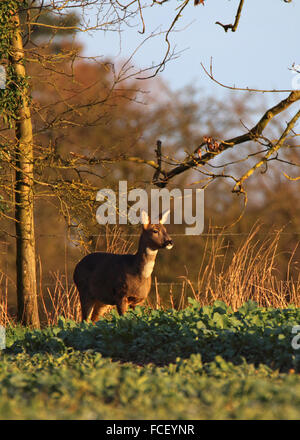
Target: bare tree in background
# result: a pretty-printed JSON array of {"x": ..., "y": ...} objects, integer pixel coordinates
[{"x": 34, "y": 33}]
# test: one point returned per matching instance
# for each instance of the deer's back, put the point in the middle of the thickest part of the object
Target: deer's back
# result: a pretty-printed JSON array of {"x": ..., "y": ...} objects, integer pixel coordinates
[
  {"x": 105, "y": 276},
  {"x": 104, "y": 264}
]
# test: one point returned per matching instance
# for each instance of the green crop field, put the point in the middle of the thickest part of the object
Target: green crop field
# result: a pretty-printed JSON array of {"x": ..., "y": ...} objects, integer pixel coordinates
[{"x": 198, "y": 363}]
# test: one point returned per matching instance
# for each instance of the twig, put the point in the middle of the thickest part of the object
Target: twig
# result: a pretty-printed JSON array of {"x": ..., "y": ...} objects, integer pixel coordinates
[
  {"x": 244, "y": 89},
  {"x": 233, "y": 26}
]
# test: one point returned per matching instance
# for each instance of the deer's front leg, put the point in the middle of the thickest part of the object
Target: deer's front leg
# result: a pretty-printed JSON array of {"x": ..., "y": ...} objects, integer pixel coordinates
[{"x": 122, "y": 305}]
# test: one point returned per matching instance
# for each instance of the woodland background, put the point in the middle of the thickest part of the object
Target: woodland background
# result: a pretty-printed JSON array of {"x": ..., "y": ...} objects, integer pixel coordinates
[{"x": 86, "y": 123}]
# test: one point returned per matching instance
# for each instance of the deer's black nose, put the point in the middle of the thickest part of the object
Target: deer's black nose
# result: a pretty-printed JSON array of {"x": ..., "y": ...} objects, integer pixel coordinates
[{"x": 168, "y": 244}]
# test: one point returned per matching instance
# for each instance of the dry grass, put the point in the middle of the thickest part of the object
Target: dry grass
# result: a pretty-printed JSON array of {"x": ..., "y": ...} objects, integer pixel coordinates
[
  {"x": 60, "y": 300},
  {"x": 5, "y": 318},
  {"x": 248, "y": 272}
]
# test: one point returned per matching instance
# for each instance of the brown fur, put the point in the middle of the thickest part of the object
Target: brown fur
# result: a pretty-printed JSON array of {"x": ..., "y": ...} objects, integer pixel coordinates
[{"x": 105, "y": 279}]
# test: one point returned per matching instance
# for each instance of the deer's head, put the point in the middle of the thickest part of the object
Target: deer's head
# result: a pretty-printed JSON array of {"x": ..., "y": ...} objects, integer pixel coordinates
[{"x": 155, "y": 236}]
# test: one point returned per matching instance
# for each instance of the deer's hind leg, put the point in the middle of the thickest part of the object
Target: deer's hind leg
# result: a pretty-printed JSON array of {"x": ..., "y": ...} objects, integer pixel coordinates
[
  {"x": 86, "y": 309},
  {"x": 99, "y": 310},
  {"x": 86, "y": 302}
]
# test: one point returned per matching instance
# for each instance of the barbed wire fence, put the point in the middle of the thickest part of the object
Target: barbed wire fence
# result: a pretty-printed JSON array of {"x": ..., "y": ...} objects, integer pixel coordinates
[
  {"x": 6, "y": 244},
  {"x": 58, "y": 292}
]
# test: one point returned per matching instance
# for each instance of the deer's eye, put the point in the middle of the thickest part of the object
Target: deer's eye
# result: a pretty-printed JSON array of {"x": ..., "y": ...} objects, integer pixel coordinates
[{"x": 155, "y": 231}]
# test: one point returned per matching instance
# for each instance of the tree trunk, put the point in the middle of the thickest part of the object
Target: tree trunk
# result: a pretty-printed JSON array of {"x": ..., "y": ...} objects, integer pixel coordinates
[{"x": 25, "y": 240}]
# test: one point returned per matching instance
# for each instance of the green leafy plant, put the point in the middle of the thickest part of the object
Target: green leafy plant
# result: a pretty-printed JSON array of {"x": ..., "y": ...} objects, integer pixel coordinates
[{"x": 197, "y": 363}]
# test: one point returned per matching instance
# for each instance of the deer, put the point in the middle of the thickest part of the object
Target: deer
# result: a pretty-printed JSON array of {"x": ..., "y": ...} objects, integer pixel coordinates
[{"x": 123, "y": 280}]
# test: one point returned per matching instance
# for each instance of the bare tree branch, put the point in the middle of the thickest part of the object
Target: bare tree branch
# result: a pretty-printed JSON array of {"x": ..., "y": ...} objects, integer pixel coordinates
[
  {"x": 252, "y": 134},
  {"x": 276, "y": 147}
]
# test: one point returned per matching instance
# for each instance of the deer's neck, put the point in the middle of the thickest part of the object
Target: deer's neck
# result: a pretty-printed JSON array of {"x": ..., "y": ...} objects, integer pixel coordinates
[{"x": 145, "y": 258}]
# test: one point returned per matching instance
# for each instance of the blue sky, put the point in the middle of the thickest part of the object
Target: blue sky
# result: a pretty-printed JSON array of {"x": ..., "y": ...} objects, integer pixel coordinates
[{"x": 257, "y": 55}]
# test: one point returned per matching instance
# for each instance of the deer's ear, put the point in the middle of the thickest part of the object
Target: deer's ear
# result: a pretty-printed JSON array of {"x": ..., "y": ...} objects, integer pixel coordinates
[
  {"x": 164, "y": 217},
  {"x": 145, "y": 219}
]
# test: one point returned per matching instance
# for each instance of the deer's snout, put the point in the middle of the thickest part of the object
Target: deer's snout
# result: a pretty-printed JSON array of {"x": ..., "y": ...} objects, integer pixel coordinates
[{"x": 168, "y": 244}]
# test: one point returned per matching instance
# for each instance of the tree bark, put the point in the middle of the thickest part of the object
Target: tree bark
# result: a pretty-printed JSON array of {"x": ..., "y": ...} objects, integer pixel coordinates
[{"x": 24, "y": 201}]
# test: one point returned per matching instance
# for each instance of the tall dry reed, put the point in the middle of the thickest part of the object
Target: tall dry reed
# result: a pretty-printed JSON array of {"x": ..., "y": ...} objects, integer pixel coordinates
[{"x": 249, "y": 273}]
